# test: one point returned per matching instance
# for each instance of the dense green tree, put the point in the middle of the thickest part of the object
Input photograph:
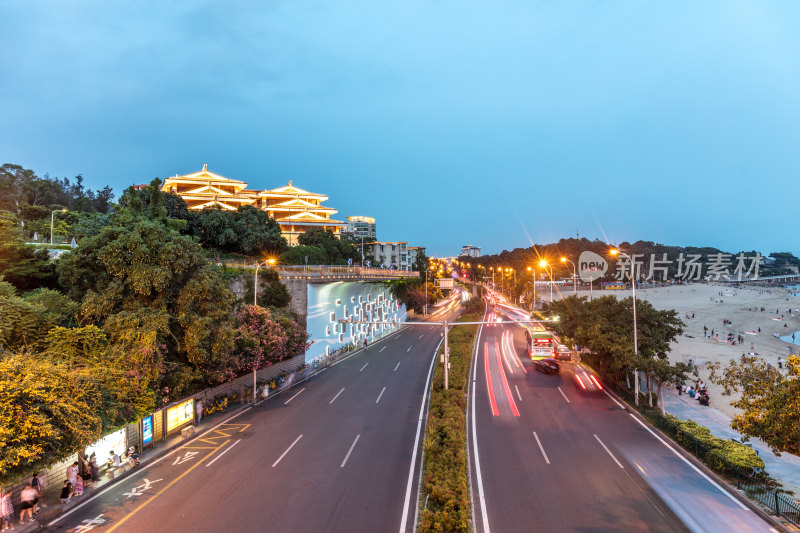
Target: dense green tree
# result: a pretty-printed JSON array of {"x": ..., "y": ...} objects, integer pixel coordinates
[
  {"x": 769, "y": 399},
  {"x": 22, "y": 265},
  {"x": 248, "y": 231},
  {"x": 333, "y": 250},
  {"x": 152, "y": 290},
  {"x": 296, "y": 255}
]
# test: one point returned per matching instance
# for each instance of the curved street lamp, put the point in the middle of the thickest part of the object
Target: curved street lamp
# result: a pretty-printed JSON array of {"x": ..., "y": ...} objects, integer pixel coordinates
[
  {"x": 615, "y": 252},
  {"x": 270, "y": 262},
  {"x": 53, "y": 214},
  {"x": 574, "y": 274}
]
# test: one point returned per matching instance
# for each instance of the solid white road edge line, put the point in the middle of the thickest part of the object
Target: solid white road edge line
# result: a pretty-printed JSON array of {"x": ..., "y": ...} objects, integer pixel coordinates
[
  {"x": 478, "y": 476},
  {"x": 562, "y": 394},
  {"x": 337, "y": 395},
  {"x": 614, "y": 400},
  {"x": 139, "y": 471},
  {"x": 224, "y": 452},
  {"x": 346, "y": 457},
  {"x": 546, "y": 460},
  {"x": 293, "y": 397},
  {"x": 365, "y": 366},
  {"x": 287, "y": 451},
  {"x": 407, "y": 500},
  {"x": 608, "y": 451},
  {"x": 685, "y": 460},
  {"x": 381, "y": 394},
  {"x": 396, "y": 367}
]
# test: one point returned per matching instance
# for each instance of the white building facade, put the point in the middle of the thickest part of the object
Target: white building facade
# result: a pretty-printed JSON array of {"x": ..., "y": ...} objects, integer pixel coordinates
[{"x": 470, "y": 251}]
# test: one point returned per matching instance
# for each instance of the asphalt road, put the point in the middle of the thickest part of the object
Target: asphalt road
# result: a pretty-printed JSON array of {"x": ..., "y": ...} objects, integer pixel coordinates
[
  {"x": 545, "y": 456},
  {"x": 332, "y": 454}
]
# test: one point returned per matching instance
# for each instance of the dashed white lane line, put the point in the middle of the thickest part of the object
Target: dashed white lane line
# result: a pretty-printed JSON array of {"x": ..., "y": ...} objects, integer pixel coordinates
[
  {"x": 396, "y": 367},
  {"x": 382, "y": 349},
  {"x": 421, "y": 335},
  {"x": 562, "y": 394},
  {"x": 381, "y": 394},
  {"x": 293, "y": 397},
  {"x": 287, "y": 451},
  {"x": 224, "y": 452},
  {"x": 518, "y": 394},
  {"x": 337, "y": 395},
  {"x": 365, "y": 366},
  {"x": 346, "y": 457},
  {"x": 685, "y": 460},
  {"x": 546, "y": 460},
  {"x": 409, "y": 348},
  {"x": 608, "y": 451}
]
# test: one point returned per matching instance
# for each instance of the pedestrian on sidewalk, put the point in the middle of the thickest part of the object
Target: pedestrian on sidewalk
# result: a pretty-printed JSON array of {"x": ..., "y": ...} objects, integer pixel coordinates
[
  {"x": 72, "y": 473},
  {"x": 6, "y": 510},
  {"x": 365, "y": 343},
  {"x": 36, "y": 483},
  {"x": 27, "y": 497},
  {"x": 95, "y": 468},
  {"x": 85, "y": 471},
  {"x": 66, "y": 492},
  {"x": 199, "y": 409}
]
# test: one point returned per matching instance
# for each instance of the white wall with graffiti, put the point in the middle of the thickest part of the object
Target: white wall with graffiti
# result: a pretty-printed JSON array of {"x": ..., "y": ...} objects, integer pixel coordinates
[{"x": 330, "y": 302}]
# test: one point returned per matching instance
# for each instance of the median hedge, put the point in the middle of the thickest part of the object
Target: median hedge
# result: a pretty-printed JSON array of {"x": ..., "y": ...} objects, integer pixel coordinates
[
  {"x": 445, "y": 484},
  {"x": 722, "y": 455}
]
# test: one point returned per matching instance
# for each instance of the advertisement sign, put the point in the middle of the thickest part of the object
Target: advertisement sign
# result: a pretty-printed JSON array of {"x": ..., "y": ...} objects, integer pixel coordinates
[
  {"x": 147, "y": 429},
  {"x": 180, "y": 414},
  {"x": 591, "y": 266},
  {"x": 115, "y": 442}
]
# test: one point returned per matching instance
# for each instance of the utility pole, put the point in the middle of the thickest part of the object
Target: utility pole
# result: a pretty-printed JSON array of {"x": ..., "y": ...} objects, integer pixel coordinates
[{"x": 446, "y": 356}]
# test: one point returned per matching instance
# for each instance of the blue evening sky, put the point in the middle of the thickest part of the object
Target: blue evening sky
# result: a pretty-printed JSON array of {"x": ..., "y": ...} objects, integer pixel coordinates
[{"x": 450, "y": 122}]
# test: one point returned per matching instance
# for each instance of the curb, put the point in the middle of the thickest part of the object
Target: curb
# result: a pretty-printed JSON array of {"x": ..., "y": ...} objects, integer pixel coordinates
[{"x": 753, "y": 506}]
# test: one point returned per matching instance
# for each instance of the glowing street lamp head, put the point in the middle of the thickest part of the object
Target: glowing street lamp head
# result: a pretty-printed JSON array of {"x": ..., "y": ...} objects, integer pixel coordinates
[
  {"x": 543, "y": 263},
  {"x": 563, "y": 259},
  {"x": 614, "y": 252},
  {"x": 530, "y": 268},
  {"x": 271, "y": 261}
]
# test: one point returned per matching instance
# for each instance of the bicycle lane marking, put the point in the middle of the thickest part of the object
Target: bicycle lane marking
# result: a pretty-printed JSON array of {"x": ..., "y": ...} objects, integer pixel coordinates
[
  {"x": 160, "y": 492},
  {"x": 115, "y": 487}
]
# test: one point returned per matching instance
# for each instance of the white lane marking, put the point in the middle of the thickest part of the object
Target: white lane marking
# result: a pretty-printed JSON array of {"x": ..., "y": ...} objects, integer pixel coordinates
[
  {"x": 518, "y": 394},
  {"x": 382, "y": 349},
  {"x": 142, "y": 469},
  {"x": 381, "y": 394},
  {"x": 562, "y": 394},
  {"x": 409, "y": 348},
  {"x": 685, "y": 460},
  {"x": 546, "y": 460},
  {"x": 421, "y": 335},
  {"x": 337, "y": 395},
  {"x": 365, "y": 366},
  {"x": 287, "y": 451},
  {"x": 395, "y": 368},
  {"x": 346, "y": 457},
  {"x": 481, "y": 496},
  {"x": 614, "y": 400},
  {"x": 293, "y": 397},
  {"x": 407, "y": 500},
  {"x": 608, "y": 451},
  {"x": 224, "y": 452}
]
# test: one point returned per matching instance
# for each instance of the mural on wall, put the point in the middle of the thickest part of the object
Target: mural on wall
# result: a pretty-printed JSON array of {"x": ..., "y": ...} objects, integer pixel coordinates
[{"x": 330, "y": 302}]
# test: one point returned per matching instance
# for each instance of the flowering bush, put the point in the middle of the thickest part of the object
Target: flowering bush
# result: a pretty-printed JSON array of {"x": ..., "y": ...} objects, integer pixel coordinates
[{"x": 264, "y": 337}]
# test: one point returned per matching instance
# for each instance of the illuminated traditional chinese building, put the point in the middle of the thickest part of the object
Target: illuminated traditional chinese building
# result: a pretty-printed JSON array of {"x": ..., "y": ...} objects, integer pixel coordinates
[{"x": 296, "y": 210}]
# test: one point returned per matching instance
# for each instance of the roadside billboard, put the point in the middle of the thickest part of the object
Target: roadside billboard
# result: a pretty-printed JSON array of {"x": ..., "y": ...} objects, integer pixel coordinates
[{"x": 180, "y": 414}]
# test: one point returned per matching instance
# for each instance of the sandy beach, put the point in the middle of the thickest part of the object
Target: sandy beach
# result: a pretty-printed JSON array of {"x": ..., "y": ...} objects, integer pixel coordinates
[{"x": 711, "y": 305}]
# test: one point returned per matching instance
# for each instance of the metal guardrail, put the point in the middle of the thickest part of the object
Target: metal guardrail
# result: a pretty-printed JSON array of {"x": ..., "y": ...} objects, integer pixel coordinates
[{"x": 326, "y": 271}]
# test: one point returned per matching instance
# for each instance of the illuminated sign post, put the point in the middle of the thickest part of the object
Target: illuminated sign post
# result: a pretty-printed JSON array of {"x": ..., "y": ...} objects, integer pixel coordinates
[
  {"x": 180, "y": 415},
  {"x": 147, "y": 429}
]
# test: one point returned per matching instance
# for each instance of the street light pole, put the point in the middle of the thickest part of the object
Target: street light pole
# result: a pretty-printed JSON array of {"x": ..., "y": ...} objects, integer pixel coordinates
[
  {"x": 426, "y": 291},
  {"x": 446, "y": 356},
  {"x": 574, "y": 274},
  {"x": 255, "y": 282},
  {"x": 635, "y": 332},
  {"x": 53, "y": 214}
]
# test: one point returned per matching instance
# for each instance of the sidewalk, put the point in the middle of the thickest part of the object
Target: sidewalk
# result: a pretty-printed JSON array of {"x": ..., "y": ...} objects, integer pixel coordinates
[
  {"x": 785, "y": 468},
  {"x": 50, "y": 507}
]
